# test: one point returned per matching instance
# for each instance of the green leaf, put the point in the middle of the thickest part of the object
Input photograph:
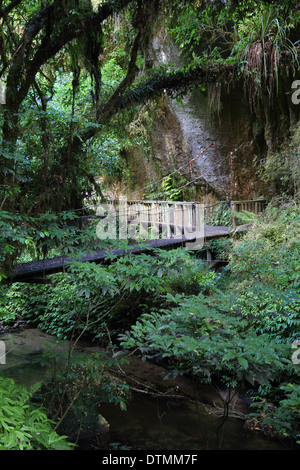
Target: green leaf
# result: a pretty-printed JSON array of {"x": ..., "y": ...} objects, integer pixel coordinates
[{"x": 243, "y": 362}]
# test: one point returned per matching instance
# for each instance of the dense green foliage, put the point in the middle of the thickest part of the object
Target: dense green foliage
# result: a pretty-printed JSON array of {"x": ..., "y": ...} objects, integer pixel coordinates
[
  {"x": 237, "y": 32},
  {"x": 267, "y": 266},
  {"x": 244, "y": 331},
  {"x": 73, "y": 95},
  {"x": 24, "y": 426},
  {"x": 282, "y": 167},
  {"x": 80, "y": 384},
  {"x": 204, "y": 337},
  {"x": 76, "y": 84},
  {"x": 230, "y": 329},
  {"x": 88, "y": 295}
]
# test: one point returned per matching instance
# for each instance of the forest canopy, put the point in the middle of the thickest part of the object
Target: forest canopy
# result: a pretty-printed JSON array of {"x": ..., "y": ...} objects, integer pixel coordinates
[
  {"x": 73, "y": 74},
  {"x": 74, "y": 70},
  {"x": 75, "y": 78}
]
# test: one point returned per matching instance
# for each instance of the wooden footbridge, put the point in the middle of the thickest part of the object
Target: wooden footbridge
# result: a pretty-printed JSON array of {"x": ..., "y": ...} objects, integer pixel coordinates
[{"x": 148, "y": 225}]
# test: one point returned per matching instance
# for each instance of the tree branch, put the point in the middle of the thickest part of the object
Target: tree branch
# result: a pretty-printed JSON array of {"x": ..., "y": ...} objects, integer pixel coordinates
[
  {"x": 74, "y": 29},
  {"x": 172, "y": 83},
  {"x": 111, "y": 105},
  {"x": 8, "y": 8}
]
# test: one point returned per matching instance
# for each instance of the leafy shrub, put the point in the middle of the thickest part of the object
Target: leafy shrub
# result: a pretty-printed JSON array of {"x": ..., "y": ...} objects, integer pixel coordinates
[
  {"x": 219, "y": 214},
  {"x": 266, "y": 276},
  {"x": 206, "y": 338},
  {"x": 89, "y": 295},
  {"x": 22, "y": 301},
  {"x": 77, "y": 390},
  {"x": 24, "y": 426},
  {"x": 193, "y": 278},
  {"x": 270, "y": 311},
  {"x": 281, "y": 169},
  {"x": 14, "y": 234},
  {"x": 284, "y": 417}
]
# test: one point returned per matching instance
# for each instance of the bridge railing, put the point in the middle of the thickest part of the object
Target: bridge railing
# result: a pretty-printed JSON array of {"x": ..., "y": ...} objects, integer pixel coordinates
[
  {"x": 225, "y": 213},
  {"x": 138, "y": 220},
  {"x": 256, "y": 206},
  {"x": 218, "y": 214},
  {"x": 152, "y": 219}
]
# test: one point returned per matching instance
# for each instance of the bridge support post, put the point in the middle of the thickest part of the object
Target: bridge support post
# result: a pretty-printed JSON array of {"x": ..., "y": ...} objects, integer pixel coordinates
[
  {"x": 122, "y": 234},
  {"x": 2, "y": 352},
  {"x": 233, "y": 209},
  {"x": 208, "y": 259}
]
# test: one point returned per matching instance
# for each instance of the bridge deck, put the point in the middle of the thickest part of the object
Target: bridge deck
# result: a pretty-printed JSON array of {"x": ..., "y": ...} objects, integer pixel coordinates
[{"x": 31, "y": 271}]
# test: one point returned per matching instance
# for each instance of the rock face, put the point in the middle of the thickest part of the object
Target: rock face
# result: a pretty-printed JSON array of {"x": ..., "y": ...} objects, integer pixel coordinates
[{"x": 224, "y": 116}]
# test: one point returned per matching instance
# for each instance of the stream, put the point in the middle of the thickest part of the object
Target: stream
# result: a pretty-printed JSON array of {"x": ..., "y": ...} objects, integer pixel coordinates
[{"x": 149, "y": 423}]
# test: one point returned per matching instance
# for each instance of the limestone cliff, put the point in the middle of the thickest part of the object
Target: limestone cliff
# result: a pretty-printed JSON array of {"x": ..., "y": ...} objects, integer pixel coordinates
[{"x": 242, "y": 135}]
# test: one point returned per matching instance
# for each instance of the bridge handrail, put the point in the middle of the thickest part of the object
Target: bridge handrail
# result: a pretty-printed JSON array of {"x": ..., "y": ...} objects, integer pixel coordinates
[
  {"x": 153, "y": 201},
  {"x": 251, "y": 205}
]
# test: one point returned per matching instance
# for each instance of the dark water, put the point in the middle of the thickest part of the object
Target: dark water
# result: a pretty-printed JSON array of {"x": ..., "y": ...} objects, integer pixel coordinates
[{"x": 150, "y": 424}]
